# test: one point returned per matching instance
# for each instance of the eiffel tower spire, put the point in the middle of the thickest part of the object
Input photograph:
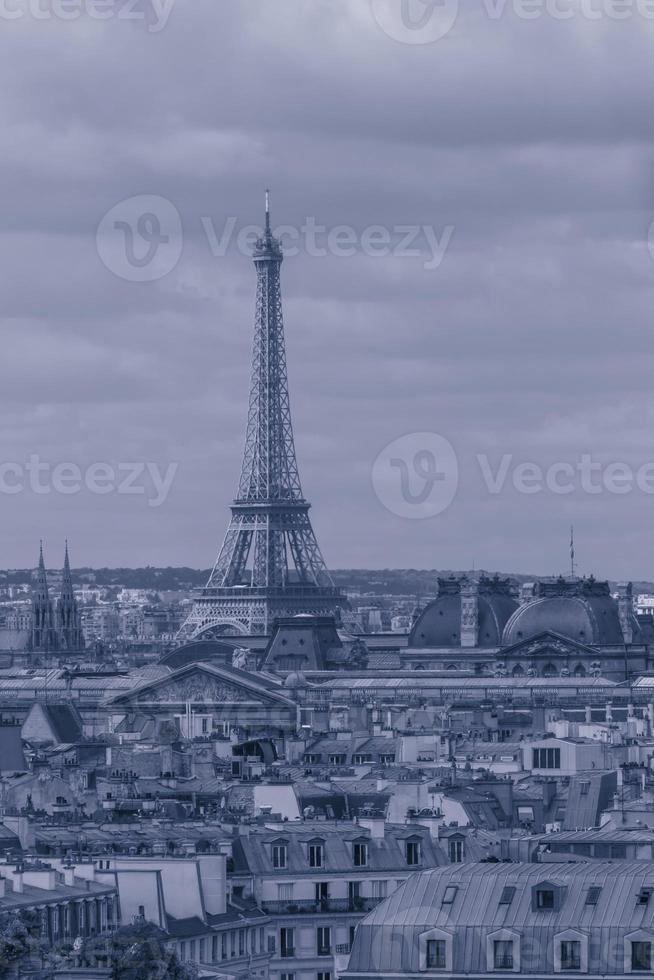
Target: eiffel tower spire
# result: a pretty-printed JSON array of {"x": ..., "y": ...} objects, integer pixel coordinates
[{"x": 270, "y": 564}]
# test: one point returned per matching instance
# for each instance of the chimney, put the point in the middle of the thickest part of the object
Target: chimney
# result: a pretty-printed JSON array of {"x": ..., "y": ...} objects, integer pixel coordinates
[
  {"x": 626, "y": 610},
  {"x": 376, "y": 826},
  {"x": 589, "y": 714},
  {"x": 3, "y": 885},
  {"x": 69, "y": 874},
  {"x": 469, "y": 613},
  {"x": 609, "y": 712},
  {"x": 18, "y": 880}
]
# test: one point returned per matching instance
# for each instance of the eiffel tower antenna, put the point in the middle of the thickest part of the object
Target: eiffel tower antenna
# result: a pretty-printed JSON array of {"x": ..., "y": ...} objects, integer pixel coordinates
[
  {"x": 270, "y": 565},
  {"x": 573, "y": 565}
]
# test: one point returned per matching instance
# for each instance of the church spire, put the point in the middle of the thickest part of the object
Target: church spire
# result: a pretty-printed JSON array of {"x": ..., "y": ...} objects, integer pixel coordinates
[
  {"x": 41, "y": 576},
  {"x": 69, "y": 627},
  {"x": 43, "y": 638}
]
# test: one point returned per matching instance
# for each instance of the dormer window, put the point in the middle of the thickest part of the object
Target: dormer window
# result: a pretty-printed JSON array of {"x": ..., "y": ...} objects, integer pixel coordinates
[
  {"x": 279, "y": 854},
  {"x": 644, "y": 896},
  {"x": 316, "y": 854},
  {"x": 546, "y": 897},
  {"x": 412, "y": 852},
  {"x": 360, "y": 853},
  {"x": 455, "y": 850}
]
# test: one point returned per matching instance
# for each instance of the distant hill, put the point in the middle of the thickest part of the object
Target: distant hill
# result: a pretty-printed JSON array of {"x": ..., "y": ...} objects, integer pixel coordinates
[{"x": 387, "y": 581}]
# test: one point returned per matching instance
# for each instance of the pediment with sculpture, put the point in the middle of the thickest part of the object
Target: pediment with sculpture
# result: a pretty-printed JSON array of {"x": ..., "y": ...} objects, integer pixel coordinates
[
  {"x": 200, "y": 685},
  {"x": 546, "y": 644}
]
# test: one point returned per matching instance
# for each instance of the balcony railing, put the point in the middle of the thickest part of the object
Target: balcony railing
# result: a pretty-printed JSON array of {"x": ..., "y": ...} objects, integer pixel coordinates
[
  {"x": 308, "y": 907},
  {"x": 343, "y": 949}
]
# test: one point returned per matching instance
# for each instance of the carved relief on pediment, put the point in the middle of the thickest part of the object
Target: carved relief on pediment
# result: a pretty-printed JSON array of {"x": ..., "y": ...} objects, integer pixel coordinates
[{"x": 201, "y": 690}]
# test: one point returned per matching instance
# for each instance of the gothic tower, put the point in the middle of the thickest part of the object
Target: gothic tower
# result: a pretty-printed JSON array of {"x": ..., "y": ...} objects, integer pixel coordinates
[
  {"x": 44, "y": 635},
  {"x": 270, "y": 565},
  {"x": 68, "y": 619}
]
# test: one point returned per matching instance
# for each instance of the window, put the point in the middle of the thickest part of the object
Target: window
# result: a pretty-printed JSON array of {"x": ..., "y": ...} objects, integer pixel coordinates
[
  {"x": 379, "y": 889},
  {"x": 544, "y": 898},
  {"x": 287, "y": 976},
  {"x": 286, "y": 942},
  {"x": 592, "y": 895},
  {"x": 322, "y": 891},
  {"x": 644, "y": 896},
  {"x": 241, "y": 942},
  {"x": 280, "y": 855},
  {"x": 285, "y": 892},
  {"x": 450, "y": 894},
  {"x": 316, "y": 855},
  {"x": 360, "y": 854},
  {"x": 337, "y": 759},
  {"x": 223, "y": 946},
  {"x": 507, "y": 895},
  {"x": 641, "y": 956},
  {"x": 436, "y": 954},
  {"x": 546, "y": 759},
  {"x": 571, "y": 954},
  {"x": 353, "y": 891},
  {"x": 324, "y": 941},
  {"x": 455, "y": 850},
  {"x": 503, "y": 954},
  {"x": 413, "y": 852},
  {"x": 324, "y": 975}
]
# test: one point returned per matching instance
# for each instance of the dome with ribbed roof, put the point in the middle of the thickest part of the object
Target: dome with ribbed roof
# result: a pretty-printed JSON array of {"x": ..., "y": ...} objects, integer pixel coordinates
[
  {"x": 439, "y": 625},
  {"x": 582, "y": 610}
]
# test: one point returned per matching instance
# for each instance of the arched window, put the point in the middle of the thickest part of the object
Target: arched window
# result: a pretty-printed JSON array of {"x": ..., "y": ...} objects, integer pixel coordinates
[
  {"x": 549, "y": 670},
  {"x": 518, "y": 671},
  {"x": 580, "y": 670}
]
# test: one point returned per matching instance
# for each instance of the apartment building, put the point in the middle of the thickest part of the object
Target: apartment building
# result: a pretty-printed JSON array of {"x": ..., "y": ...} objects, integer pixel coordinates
[{"x": 318, "y": 880}]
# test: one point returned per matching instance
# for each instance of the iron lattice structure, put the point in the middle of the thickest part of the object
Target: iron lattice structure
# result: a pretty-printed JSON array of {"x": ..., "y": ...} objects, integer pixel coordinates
[{"x": 270, "y": 564}]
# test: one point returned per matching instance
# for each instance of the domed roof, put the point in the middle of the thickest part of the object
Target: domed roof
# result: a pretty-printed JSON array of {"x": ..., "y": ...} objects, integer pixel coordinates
[
  {"x": 439, "y": 625},
  {"x": 198, "y": 651},
  {"x": 593, "y": 620}
]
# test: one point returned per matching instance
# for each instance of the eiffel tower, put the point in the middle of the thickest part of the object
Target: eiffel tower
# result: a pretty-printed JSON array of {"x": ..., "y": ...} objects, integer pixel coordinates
[{"x": 270, "y": 565}]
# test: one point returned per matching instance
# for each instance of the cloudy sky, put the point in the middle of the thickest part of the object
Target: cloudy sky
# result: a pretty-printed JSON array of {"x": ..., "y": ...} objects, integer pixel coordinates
[{"x": 506, "y": 147}]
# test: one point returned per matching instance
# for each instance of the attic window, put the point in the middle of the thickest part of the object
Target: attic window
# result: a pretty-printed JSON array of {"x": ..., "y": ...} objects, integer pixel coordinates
[
  {"x": 644, "y": 896},
  {"x": 450, "y": 894},
  {"x": 507, "y": 895},
  {"x": 592, "y": 896},
  {"x": 544, "y": 898}
]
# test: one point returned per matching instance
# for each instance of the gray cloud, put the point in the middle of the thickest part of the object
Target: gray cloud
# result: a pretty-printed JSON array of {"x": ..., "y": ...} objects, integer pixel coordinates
[{"x": 532, "y": 138}]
